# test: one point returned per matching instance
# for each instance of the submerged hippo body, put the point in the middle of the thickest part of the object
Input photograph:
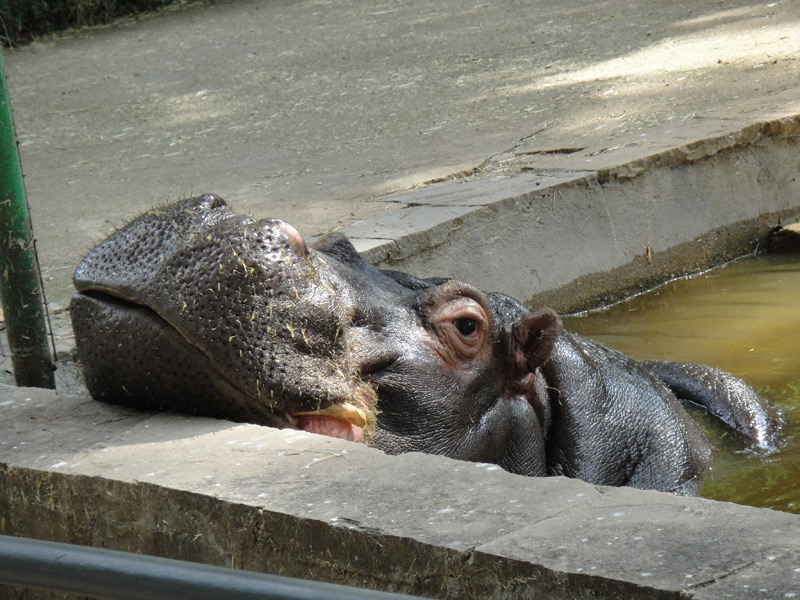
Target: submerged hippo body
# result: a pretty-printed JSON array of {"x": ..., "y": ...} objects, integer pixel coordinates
[{"x": 194, "y": 308}]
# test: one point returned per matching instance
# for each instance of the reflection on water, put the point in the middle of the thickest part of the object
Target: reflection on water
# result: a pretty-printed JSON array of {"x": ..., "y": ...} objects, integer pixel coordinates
[{"x": 744, "y": 318}]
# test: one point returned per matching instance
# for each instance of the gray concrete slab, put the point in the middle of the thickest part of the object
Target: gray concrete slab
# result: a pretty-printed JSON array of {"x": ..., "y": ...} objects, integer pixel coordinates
[
  {"x": 759, "y": 579},
  {"x": 548, "y": 232},
  {"x": 299, "y": 504}
]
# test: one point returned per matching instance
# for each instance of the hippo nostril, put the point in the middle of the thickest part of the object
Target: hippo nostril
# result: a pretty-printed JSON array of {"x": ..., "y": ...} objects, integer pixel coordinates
[
  {"x": 294, "y": 236},
  {"x": 213, "y": 200}
]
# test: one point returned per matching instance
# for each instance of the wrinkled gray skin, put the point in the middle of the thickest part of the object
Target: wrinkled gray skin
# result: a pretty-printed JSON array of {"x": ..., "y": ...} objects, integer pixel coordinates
[{"x": 194, "y": 308}]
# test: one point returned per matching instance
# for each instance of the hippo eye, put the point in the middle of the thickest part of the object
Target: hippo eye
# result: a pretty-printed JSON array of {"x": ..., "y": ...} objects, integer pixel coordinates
[
  {"x": 458, "y": 319},
  {"x": 461, "y": 327},
  {"x": 466, "y": 327}
]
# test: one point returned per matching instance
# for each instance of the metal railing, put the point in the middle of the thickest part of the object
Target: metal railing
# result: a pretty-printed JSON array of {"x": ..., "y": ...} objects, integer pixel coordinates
[{"x": 125, "y": 576}]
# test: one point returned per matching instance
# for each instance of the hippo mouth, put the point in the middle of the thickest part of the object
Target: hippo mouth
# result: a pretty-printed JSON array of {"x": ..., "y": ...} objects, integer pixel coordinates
[
  {"x": 343, "y": 421},
  {"x": 157, "y": 367}
]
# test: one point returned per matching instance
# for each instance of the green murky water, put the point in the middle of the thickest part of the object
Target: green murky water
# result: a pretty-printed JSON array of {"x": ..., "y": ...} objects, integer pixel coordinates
[{"x": 744, "y": 318}]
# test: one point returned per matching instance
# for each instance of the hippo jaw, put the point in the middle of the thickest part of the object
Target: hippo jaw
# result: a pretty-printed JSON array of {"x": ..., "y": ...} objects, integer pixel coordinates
[{"x": 194, "y": 308}]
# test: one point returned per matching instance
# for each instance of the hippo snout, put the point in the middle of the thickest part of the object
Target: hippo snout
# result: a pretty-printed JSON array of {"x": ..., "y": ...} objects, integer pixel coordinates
[{"x": 222, "y": 315}]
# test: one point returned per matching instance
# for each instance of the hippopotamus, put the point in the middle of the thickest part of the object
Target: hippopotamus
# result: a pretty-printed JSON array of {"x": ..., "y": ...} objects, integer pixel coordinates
[{"x": 195, "y": 308}]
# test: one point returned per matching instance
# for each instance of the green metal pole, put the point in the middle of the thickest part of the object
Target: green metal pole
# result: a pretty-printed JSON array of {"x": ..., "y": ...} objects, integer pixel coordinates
[{"x": 20, "y": 288}]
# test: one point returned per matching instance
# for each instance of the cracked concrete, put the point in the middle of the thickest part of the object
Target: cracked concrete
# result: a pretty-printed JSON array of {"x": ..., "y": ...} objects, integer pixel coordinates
[{"x": 592, "y": 226}]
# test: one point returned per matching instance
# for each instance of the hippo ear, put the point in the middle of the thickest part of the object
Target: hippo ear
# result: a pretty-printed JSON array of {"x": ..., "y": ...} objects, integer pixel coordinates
[
  {"x": 532, "y": 340},
  {"x": 341, "y": 248}
]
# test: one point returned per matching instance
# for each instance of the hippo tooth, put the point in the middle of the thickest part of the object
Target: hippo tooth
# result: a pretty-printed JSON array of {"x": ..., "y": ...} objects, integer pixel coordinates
[{"x": 345, "y": 412}]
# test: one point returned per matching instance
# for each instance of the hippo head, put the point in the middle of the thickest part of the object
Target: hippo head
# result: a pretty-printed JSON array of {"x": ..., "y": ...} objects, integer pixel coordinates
[{"x": 192, "y": 307}]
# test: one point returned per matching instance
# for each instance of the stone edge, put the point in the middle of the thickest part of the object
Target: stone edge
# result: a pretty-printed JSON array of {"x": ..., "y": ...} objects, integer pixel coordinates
[
  {"x": 622, "y": 205},
  {"x": 296, "y": 504}
]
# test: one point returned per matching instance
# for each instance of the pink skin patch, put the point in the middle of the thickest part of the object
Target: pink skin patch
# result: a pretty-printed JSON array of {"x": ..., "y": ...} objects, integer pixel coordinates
[
  {"x": 293, "y": 235},
  {"x": 330, "y": 426}
]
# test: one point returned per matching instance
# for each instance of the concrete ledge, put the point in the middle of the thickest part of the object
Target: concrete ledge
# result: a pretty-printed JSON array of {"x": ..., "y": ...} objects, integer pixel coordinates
[
  {"x": 293, "y": 503},
  {"x": 592, "y": 226}
]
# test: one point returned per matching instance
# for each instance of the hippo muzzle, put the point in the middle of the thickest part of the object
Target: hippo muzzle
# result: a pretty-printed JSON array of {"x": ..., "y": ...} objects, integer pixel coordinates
[{"x": 198, "y": 309}]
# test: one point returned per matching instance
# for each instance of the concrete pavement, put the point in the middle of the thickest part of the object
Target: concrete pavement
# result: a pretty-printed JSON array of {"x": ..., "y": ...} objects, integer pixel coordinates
[{"x": 316, "y": 112}]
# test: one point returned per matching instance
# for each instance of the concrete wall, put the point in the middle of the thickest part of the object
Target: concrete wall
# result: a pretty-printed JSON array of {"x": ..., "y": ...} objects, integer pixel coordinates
[
  {"x": 593, "y": 226},
  {"x": 292, "y": 503}
]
